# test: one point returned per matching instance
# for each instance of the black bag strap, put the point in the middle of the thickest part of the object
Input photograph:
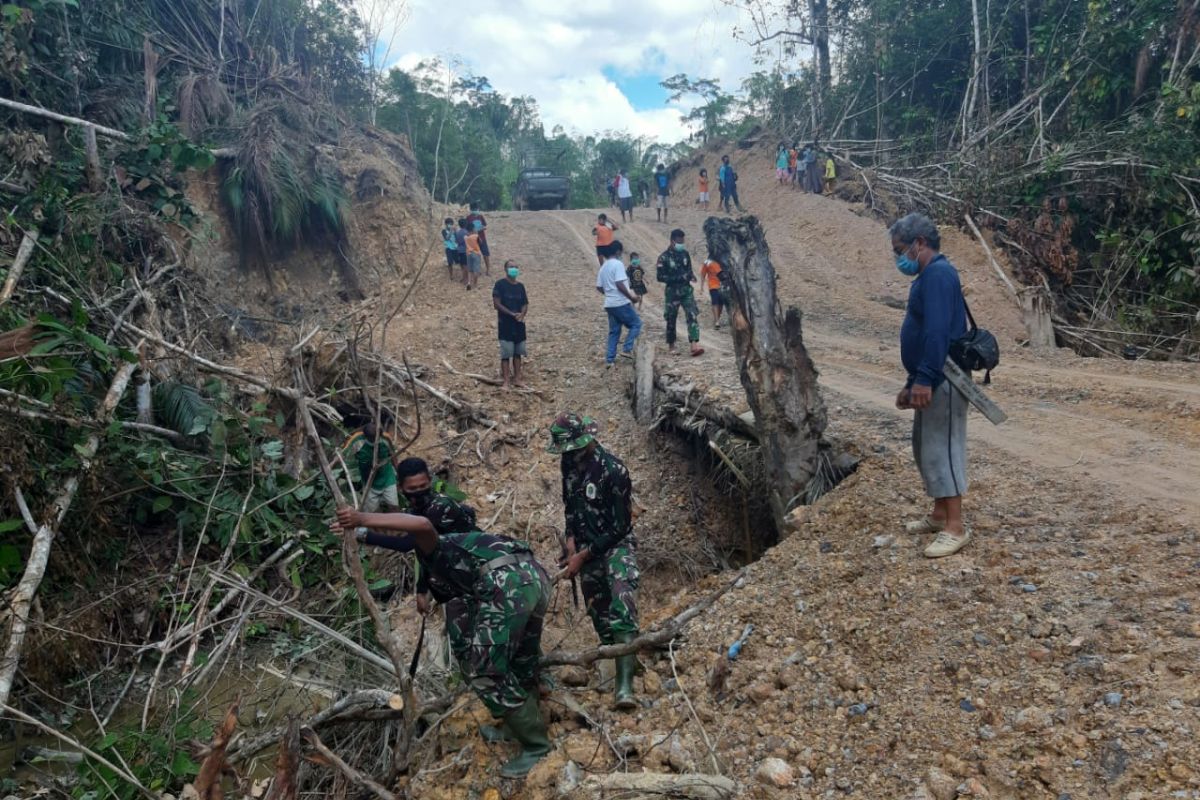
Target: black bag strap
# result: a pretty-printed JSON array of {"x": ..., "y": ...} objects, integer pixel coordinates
[
  {"x": 970, "y": 318},
  {"x": 416, "y": 656}
]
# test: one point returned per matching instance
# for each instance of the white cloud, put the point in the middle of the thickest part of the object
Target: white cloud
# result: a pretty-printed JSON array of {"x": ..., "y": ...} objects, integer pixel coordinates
[{"x": 557, "y": 52}]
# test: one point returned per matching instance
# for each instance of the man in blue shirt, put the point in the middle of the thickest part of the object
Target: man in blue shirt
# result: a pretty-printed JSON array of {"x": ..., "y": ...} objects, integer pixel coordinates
[
  {"x": 662, "y": 186},
  {"x": 936, "y": 316},
  {"x": 727, "y": 180}
]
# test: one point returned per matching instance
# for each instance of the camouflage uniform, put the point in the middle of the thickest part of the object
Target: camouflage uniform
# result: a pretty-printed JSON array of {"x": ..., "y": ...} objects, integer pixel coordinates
[
  {"x": 502, "y": 592},
  {"x": 448, "y": 516},
  {"x": 674, "y": 269},
  {"x": 597, "y": 495}
]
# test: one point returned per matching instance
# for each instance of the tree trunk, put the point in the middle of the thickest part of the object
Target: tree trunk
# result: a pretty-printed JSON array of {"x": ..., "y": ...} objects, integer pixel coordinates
[
  {"x": 819, "y": 12},
  {"x": 779, "y": 377}
]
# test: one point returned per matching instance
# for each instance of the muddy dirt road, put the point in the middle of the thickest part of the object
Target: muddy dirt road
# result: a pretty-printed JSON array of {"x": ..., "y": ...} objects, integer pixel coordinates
[{"x": 1055, "y": 657}]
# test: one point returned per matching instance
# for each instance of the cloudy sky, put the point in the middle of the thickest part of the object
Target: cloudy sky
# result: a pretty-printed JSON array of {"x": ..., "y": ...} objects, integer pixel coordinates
[{"x": 592, "y": 65}]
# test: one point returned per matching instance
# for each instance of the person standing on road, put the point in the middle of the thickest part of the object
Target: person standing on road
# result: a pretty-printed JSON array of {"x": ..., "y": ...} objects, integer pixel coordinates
[
  {"x": 830, "y": 174},
  {"x": 702, "y": 200},
  {"x": 710, "y": 272},
  {"x": 935, "y": 317},
  {"x": 603, "y": 231},
  {"x": 728, "y": 177},
  {"x": 460, "y": 249},
  {"x": 619, "y": 300},
  {"x": 662, "y": 184},
  {"x": 624, "y": 196},
  {"x": 474, "y": 258},
  {"x": 478, "y": 225},
  {"x": 512, "y": 304},
  {"x": 600, "y": 546},
  {"x": 793, "y": 163},
  {"x": 450, "y": 245},
  {"x": 505, "y": 593},
  {"x": 643, "y": 192},
  {"x": 674, "y": 269},
  {"x": 812, "y": 171},
  {"x": 611, "y": 186},
  {"x": 781, "y": 164}
]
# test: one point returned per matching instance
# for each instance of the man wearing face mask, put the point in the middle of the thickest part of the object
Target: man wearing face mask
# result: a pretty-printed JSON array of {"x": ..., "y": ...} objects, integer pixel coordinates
[
  {"x": 601, "y": 549},
  {"x": 935, "y": 317},
  {"x": 511, "y": 303},
  {"x": 674, "y": 269}
]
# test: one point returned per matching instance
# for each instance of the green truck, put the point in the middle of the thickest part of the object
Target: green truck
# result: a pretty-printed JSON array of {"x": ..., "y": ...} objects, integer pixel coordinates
[{"x": 540, "y": 188}]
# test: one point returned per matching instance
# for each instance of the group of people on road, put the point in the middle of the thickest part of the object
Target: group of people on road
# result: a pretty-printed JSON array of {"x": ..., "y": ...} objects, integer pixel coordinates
[
  {"x": 494, "y": 591},
  {"x": 807, "y": 168},
  {"x": 620, "y": 193},
  {"x": 466, "y": 247}
]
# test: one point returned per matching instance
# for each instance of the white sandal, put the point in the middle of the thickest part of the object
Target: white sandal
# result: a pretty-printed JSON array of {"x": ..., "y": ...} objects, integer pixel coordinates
[{"x": 947, "y": 544}]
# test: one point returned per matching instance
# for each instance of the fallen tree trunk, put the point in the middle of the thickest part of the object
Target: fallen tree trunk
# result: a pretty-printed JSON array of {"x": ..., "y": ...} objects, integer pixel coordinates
[
  {"x": 776, "y": 371},
  {"x": 43, "y": 540},
  {"x": 24, "y": 253}
]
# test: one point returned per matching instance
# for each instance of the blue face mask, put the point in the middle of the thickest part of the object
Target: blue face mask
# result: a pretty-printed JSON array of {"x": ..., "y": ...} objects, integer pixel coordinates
[
  {"x": 513, "y": 272},
  {"x": 680, "y": 247},
  {"x": 907, "y": 266}
]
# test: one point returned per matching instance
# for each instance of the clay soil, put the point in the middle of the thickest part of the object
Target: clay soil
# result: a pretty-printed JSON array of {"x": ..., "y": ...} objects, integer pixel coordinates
[{"x": 1056, "y": 657}]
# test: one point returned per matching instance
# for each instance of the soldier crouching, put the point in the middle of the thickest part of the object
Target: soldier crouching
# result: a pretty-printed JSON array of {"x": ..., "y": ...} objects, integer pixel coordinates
[{"x": 504, "y": 593}]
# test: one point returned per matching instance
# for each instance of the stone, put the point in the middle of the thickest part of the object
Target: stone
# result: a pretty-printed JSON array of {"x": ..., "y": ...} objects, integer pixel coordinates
[
  {"x": 760, "y": 692},
  {"x": 1112, "y": 699},
  {"x": 973, "y": 787},
  {"x": 966, "y": 705},
  {"x": 569, "y": 778},
  {"x": 652, "y": 683},
  {"x": 774, "y": 772},
  {"x": 1032, "y": 718},
  {"x": 574, "y": 676},
  {"x": 940, "y": 785}
]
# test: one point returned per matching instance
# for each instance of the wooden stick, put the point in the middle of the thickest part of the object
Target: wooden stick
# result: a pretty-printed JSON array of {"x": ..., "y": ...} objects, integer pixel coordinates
[
  {"x": 112, "y": 133},
  {"x": 95, "y": 174},
  {"x": 39, "y": 555},
  {"x": 646, "y": 641},
  {"x": 353, "y": 775},
  {"x": 991, "y": 259},
  {"x": 24, "y": 253}
]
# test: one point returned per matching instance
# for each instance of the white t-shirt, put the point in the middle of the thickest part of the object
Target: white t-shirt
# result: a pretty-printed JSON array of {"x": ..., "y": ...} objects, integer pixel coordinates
[
  {"x": 612, "y": 272},
  {"x": 623, "y": 187}
]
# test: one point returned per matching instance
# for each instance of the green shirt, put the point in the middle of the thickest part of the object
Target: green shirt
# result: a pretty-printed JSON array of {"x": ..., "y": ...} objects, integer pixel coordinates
[{"x": 385, "y": 475}]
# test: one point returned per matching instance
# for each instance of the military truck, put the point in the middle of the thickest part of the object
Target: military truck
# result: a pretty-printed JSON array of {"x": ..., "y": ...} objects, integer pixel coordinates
[{"x": 537, "y": 187}]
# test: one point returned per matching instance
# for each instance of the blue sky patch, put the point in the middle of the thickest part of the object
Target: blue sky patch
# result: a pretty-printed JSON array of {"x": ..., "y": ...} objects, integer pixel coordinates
[{"x": 642, "y": 90}]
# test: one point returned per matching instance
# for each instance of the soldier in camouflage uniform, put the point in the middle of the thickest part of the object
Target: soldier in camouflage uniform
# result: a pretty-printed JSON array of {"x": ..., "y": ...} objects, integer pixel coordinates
[
  {"x": 505, "y": 592},
  {"x": 674, "y": 269},
  {"x": 600, "y": 546},
  {"x": 448, "y": 516}
]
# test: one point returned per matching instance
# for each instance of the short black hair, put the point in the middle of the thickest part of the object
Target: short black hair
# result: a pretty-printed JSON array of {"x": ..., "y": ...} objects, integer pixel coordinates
[
  {"x": 411, "y": 466},
  {"x": 615, "y": 249},
  {"x": 462, "y": 222},
  {"x": 677, "y": 234},
  {"x": 449, "y": 220},
  {"x": 634, "y": 254},
  {"x": 602, "y": 216}
]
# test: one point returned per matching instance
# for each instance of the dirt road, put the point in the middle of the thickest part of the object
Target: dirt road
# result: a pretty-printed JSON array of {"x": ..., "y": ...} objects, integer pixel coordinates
[{"x": 872, "y": 672}]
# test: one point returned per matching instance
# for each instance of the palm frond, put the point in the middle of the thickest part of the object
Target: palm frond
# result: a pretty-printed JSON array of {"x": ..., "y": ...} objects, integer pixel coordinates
[{"x": 182, "y": 408}]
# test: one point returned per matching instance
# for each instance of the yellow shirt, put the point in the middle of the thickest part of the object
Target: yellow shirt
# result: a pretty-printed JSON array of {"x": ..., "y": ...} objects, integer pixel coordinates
[{"x": 830, "y": 170}]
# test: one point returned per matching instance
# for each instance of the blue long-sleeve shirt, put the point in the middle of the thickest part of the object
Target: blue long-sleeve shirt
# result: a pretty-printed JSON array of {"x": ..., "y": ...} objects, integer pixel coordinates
[{"x": 936, "y": 316}]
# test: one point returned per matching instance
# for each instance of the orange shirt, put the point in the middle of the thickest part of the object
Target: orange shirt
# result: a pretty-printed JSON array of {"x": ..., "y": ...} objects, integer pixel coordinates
[
  {"x": 704, "y": 184},
  {"x": 711, "y": 270},
  {"x": 793, "y": 158},
  {"x": 473, "y": 244},
  {"x": 604, "y": 235}
]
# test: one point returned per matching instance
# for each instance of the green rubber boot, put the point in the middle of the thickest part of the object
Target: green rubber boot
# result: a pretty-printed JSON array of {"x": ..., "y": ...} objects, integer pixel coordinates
[
  {"x": 623, "y": 696},
  {"x": 529, "y": 729},
  {"x": 496, "y": 733}
]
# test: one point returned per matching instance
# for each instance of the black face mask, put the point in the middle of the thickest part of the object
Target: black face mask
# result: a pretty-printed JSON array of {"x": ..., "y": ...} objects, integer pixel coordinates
[{"x": 419, "y": 501}]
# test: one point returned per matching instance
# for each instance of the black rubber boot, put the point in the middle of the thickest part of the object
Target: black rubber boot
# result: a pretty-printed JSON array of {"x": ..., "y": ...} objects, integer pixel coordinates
[
  {"x": 529, "y": 729},
  {"x": 623, "y": 696}
]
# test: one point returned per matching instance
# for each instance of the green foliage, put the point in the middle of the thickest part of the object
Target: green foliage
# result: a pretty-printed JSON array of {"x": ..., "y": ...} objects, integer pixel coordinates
[{"x": 157, "y": 757}]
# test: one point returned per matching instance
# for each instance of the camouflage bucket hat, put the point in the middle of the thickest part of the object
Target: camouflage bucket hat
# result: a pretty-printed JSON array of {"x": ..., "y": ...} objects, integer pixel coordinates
[{"x": 571, "y": 432}]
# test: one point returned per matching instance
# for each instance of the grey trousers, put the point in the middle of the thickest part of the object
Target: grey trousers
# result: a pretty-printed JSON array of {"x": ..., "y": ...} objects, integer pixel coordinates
[{"x": 939, "y": 440}]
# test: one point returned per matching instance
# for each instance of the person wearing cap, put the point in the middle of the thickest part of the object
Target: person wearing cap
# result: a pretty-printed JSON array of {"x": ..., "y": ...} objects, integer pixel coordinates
[
  {"x": 674, "y": 269},
  {"x": 505, "y": 592},
  {"x": 600, "y": 545}
]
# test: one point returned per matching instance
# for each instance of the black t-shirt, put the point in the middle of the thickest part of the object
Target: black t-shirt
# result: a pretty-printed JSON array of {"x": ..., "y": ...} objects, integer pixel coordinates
[{"x": 512, "y": 296}]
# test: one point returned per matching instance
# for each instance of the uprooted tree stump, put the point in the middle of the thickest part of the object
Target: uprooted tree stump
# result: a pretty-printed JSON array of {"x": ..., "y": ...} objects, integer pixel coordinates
[{"x": 777, "y": 374}]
